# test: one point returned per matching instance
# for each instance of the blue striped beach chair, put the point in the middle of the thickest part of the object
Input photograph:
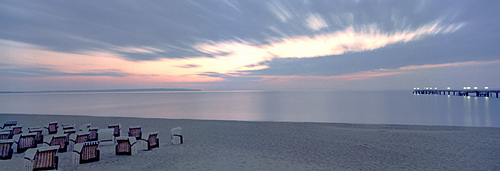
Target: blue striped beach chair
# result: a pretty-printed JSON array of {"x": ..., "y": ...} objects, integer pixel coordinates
[
  {"x": 6, "y": 149},
  {"x": 43, "y": 158},
  {"x": 25, "y": 141},
  {"x": 9, "y": 123},
  {"x": 86, "y": 152}
]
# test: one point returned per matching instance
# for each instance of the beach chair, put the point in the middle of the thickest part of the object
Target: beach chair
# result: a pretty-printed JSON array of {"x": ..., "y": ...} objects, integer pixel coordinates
[
  {"x": 5, "y": 134},
  {"x": 106, "y": 136},
  {"x": 43, "y": 158},
  {"x": 68, "y": 126},
  {"x": 9, "y": 123},
  {"x": 93, "y": 136},
  {"x": 86, "y": 152},
  {"x": 52, "y": 128},
  {"x": 69, "y": 143},
  {"x": 16, "y": 129},
  {"x": 24, "y": 142},
  {"x": 57, "y": 140},
  {"x": 135, "y": 131},
  {"x": 84, "y": 128},
  {"x": 151, "y": 141},
  {"x": 6, "y": 149},
  {"x": 81, "y": 137},
  {"x": 117, "y": 128},
  {"x": 39, "y": 136},
  {"x": 125, "y": 145},
  {"x": 176, "y": 135}
]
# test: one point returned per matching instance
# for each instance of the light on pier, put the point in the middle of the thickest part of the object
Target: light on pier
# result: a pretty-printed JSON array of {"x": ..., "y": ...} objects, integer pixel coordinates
[
  {"x": 448, "y": 88},
  {"x": 486, "y": 88},
  {"x": 475, "y": 88}
]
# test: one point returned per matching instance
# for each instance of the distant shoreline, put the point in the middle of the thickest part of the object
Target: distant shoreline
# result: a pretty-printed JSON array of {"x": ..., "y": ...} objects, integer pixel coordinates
[{"x": 105, "y": 90}]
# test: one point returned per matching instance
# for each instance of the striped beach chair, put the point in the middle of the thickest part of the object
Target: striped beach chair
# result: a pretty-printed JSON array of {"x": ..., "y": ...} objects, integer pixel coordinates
[
  {"x": 82, "y": 137},
  {"x": 6, "y": 149},
  {"x": 86, "y": 152},
  {"x": 52, "y": 128},
  {"x": 39, "y": 135},
  {"x": 176, "y": 135},
  {"x": 135, "y": 131},
  {"x": 25, "y": 141},
  {"x": 5, "y": 134},
  {"x": 117, "y": 129},
  {"x": 43, "y": 158},
  {"x": 93, "y": 135},
  {"x": 125, "y": 145},
  {"x": 152, "y": 141},
  {"x": 57, "y": 140}
]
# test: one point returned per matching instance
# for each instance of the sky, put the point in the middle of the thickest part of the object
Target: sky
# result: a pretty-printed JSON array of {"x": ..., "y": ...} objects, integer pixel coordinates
[{"x": 249, "y": 44}]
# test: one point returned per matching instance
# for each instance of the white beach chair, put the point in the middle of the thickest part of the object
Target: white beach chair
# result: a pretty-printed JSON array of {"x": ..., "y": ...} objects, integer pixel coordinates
[
  {"x": 86, "y": 152},
  {"x": 84, "y": 128},
  {"x": 126, "y": 146},
  {"x": 106, "y": 136},
  {"x": 24, "y": 141},
  {"x": 150, "y": 141},
  {"x": 6, "y": 149},
  {"x": 39, "y": 136},
  {"x": 43, "y": 158},
  {"x": 176, "y": 135},
  {"x": 93, "y": 135},
  {"x": 56, "y": 140},
  {"x": 117, "y": 129}
]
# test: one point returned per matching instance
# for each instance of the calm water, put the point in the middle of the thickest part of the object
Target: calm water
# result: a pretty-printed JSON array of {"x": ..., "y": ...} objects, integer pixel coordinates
[{"x": 393, "y": 107}]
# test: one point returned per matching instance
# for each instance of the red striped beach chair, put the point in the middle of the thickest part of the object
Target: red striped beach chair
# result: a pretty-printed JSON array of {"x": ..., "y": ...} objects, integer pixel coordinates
[
  {"x": 176, "y": 135},
  {"x": 93, "y": 135},
  {"x": 39, "y": 136},
  {"x": 125, "y": 145},
  {"x": 25, "y": 141},
  {"x": 86, "y": 152},
  {"x": 117, "y": 128},
  {"x": 6, "y": 149},
  {"x": 57, "y": 140},
  {"x": 135, "y": 131},
  {"x": 52, "y": 128},
  {"x": 43, "y": 158}
]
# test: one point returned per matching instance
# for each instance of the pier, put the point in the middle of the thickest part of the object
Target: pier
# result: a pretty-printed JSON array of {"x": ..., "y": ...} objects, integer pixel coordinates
[{"x": 465, "y": 92}]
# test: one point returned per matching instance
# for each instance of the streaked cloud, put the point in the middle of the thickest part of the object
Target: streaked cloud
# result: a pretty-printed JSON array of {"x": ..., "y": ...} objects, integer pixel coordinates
[{"x": 316, "y": 22}]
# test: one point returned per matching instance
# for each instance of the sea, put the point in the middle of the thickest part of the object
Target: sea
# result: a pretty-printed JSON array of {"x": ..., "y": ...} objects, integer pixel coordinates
[{"x": 358, "y": 107}]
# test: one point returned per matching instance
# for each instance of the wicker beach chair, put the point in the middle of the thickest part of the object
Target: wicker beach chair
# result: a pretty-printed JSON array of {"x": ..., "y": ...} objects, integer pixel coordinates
[
  {"x": 43, "y": 158},
  {"x": 151, "y": 140},
  {"x": 25, "y": 141},
  {"x": 93, "y": 135},
  {"x": 176, "y": 135},
  {"x": 106, "y": 136},
  {"x": 5, "y": 134},
  {"x": 84, "y": 128},
  {"x": 9, "y": 123},
  {"x": 69, "y": 142},
  {"x": 39, "y": 136},
  {"x": 125, "y": 145},
  {"x": 81, "y": 137},
  {"x": 117, "y": 129},
  {"x": 135, "y": 131},
  {"x": 68, "y": 126},
  {"x": 6, "y": 149},
  {"x": 86, "y": 152},
  {"x": 57, "y": 140},
  {"x": 52, "y": 128}
]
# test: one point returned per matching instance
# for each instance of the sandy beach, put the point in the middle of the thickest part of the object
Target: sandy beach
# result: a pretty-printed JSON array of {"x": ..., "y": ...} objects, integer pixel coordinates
[{"x": 236, "y": 145}]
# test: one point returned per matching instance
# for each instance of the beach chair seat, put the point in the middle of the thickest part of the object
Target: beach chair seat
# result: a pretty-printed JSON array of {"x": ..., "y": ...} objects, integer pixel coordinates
[
  {"x": 57, "y": 140},
  {"x": 24, "y": 142},
  {"x": 86, "y": 152},
  {"x": 125, "y": 145},
  {"x": 5, "y": 134},
  {"x": 106, "y": 136},
  {"x": 17, "y": 129},
  {"x": 39, "y": 135},
  {"x": 117, "y": 129},
  {"x": 42, "y": 158},
  {"x": 135, "y": 131},
  {"x": 176, "y": 135},
  {"x": 52, "y": 128},
  {"x": 151, "y": 141},
  {"x": 93, "y": 135},
  {"x": 6, "y": 149},
  {"x": 9, "y": 123}
]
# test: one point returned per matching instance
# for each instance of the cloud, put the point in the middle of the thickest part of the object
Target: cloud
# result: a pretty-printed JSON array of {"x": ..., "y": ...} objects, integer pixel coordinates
[
  {"x": 316, "y": 22},
  {"x": 188, "y": 66},
  {"x": 280, "y": 11}
]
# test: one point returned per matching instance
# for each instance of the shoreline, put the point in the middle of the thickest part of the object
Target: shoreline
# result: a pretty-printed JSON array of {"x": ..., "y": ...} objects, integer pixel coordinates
[{"x": 249, "y": 145}]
